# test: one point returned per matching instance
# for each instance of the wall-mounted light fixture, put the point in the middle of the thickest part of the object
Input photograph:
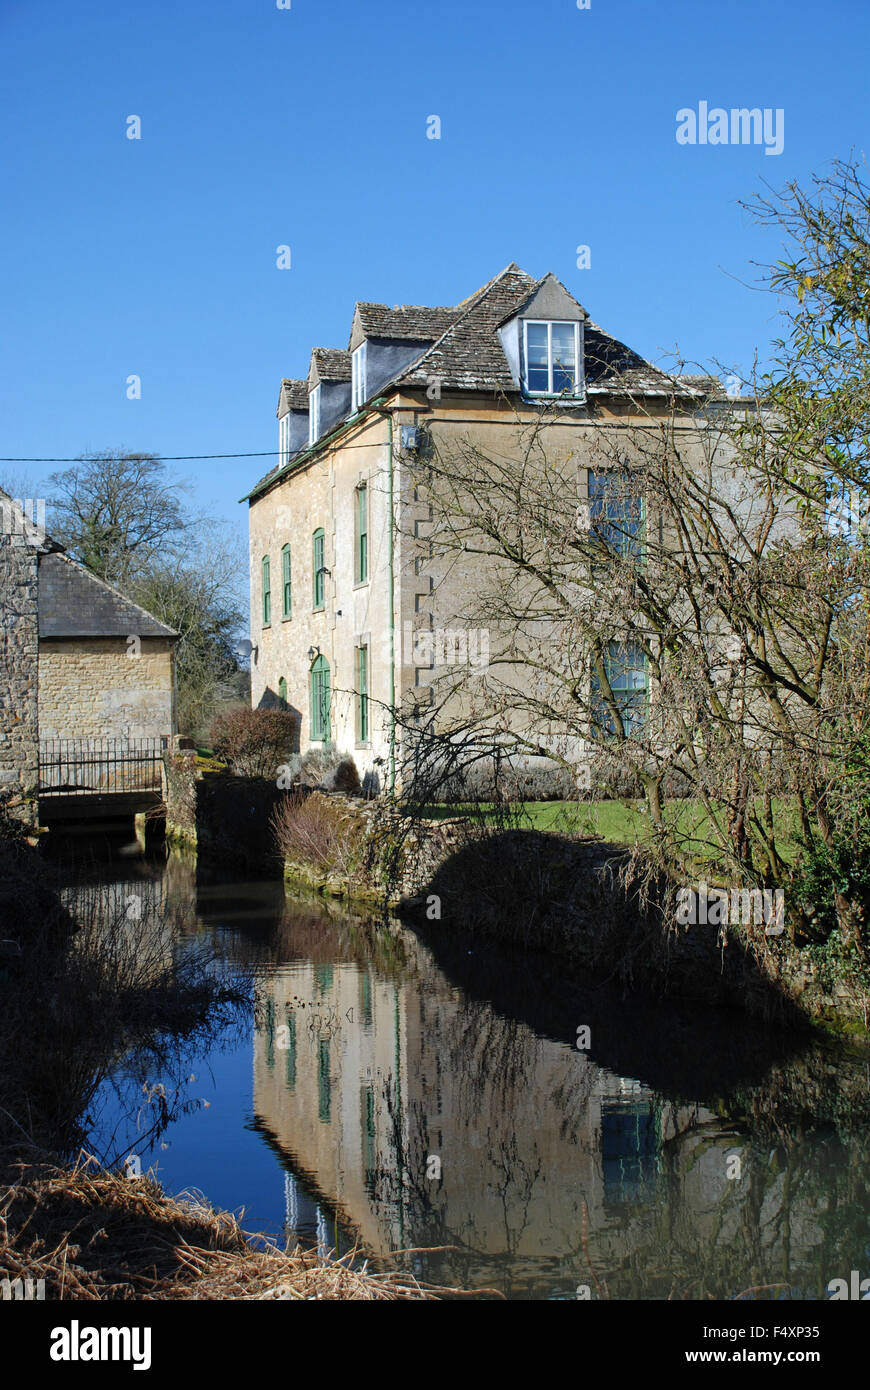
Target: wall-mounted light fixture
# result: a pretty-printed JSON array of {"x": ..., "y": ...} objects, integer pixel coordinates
[{"x": 313, "y": 653}]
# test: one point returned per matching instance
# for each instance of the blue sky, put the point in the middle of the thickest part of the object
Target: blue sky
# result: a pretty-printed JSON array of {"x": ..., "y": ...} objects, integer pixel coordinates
[{"x": 307, "y": 127}]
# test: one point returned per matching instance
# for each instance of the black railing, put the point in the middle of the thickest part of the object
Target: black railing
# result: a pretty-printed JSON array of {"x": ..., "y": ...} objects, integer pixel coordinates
[{"x": 85, "y": 766}]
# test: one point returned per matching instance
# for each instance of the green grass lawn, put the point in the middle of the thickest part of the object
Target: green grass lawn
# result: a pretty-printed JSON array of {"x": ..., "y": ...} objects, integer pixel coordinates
[{"x": 624, "y": 822}]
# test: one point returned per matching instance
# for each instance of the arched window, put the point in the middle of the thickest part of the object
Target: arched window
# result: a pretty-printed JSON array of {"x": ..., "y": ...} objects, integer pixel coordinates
[
  {"x": 318, "y": 567},
  {"x": 320, "y": 696},
  {"x": 282, "y": 690},
  {"x": 287, "y": 591}
]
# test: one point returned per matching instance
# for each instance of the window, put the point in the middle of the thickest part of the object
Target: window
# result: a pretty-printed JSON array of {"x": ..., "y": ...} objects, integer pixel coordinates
[
  {"x": 616, "y": 513},
  {"x": 630, "y": 1146},
  {"x": 314, "y": 415},
  {"x": 324, "y": 1082},
  {"x": 625, "y": 668},
  {"x": 267, "y": 592},
  {"x": 552, "y": 353},
  {"x": 369, "y": 1133},
  {"x": 286, "y": 587},
  {"x": 362, "y": 694},
  {"x": 361, "y": 534},
  {"x": 358, "y": 391},
  {"x": 284, "y": 440},
  {"x": 282, "y": 690},
  {"x": 290, "y": 1054},
  {"x": 320, "y": 700},
  {"x": 318, "y": 568},
  {"x": 365, "y": 999}
]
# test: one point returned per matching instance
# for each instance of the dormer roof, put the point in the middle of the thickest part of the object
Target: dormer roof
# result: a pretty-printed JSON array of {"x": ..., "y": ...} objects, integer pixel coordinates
[
  {"x": 328, "y": 364},
  {"x": 548, "y": 300},
  {"x": 292, "y": 396},
  {"x": 405, "y": 322}
]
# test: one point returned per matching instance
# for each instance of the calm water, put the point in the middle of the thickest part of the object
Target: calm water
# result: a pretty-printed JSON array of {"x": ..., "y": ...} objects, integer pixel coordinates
[{"x": 408, "y": 1093}]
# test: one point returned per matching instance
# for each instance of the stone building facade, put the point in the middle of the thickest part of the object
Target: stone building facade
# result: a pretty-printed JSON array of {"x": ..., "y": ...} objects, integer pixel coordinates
[
  {"x": 106, "y": 666},
  {"x": 348, "y": 608}
]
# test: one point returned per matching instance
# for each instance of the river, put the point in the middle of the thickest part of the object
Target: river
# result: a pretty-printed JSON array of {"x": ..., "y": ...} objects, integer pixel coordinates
[{"x": 506, "y": 1126}]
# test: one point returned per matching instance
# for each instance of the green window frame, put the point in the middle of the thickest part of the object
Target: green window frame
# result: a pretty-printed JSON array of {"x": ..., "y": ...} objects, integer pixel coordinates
[
  {"x": 318, "y": 567},
  {"x": 282, "y": 690},
  {"x": 324, "y": 1082},
  {"x": 320, "y": 697},
  {"x": 290, "y": 1065},
  {"x": 362, "y": 693},
  {"x": 617, "y": 513},
  {"x": 625, "y": 666},
  {"x": 286, "y": 585},
  {"x": 365, "y": 998},
  {"x": 267, "y": 590},
  {"x": 369, "y": 1130},
  {"x": 361, "y": 534}
]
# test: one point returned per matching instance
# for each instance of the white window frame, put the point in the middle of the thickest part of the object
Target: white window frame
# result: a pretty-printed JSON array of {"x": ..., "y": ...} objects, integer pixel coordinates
[
  {"x": 550, "y": 392},
  {"x": 358, "y": 363},
  {"x": 314, "y": 415},
  {"x": 284, "y": 440}
]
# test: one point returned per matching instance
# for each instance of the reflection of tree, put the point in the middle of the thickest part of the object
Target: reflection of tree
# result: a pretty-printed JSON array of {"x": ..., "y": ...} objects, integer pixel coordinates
[
  {"x": 796, "y": 1218},
  {"x": 515, "y": 1186}
]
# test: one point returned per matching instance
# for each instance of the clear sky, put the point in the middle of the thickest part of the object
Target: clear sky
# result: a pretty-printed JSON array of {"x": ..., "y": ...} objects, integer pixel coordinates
[{"x": 307, "y": 127}]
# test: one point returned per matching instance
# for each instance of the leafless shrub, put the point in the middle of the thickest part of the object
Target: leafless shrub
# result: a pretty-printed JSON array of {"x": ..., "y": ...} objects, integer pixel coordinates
[
  {"x": 316, "y": 831},
  {"x": 255, "y": 742}
]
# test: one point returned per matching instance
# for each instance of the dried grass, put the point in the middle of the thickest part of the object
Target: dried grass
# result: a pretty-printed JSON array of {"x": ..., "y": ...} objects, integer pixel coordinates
[{"x": 94, "y": 1235}]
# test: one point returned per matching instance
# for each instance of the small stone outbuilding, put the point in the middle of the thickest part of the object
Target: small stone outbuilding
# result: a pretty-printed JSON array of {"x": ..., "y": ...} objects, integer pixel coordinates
[
  {"x": 78, "y": 660},
  {"x": 106, "y": 666}
]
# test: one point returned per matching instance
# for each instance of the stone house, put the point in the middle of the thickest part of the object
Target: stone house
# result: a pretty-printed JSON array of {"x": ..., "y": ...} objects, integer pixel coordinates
[
  {"x": 106, "y": 666},
  {"x": 78, "y": 660},
  {"x": 348, "y": 621}
]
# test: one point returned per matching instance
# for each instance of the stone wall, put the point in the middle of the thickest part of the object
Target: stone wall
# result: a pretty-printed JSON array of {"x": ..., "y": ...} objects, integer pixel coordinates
[
  {"x": 19, "y": 735},
  {"x": 352, "y": 615},
  {"x": 91, "y": 688}
]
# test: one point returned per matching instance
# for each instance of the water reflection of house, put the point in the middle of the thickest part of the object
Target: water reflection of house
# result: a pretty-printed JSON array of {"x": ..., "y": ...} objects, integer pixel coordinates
[{"x": 362, "y": 1081}]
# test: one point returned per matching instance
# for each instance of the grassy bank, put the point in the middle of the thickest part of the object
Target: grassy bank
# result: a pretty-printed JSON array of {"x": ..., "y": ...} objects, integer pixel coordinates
[{"x": 621, "y": 822}]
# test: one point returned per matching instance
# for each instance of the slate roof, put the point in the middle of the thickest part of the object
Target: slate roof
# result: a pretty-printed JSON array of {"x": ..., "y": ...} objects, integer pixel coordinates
[
  {"x": 330, "y": 364},
  {"x": 72, "y": 602},
  {"x": 415, "y": 322},
  {"x": 469, "y": 355},
  {"x": 466, "y": 353},
  {"x": 292, "y": 396}
]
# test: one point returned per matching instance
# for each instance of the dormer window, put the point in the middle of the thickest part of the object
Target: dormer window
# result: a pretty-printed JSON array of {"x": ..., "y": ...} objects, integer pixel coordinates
[
  {"x": 314, "y": 415},
  {"x": 358, "y": 377},
  {"x": 551, "y": 357},
  {"x": 284, "y": 440}
]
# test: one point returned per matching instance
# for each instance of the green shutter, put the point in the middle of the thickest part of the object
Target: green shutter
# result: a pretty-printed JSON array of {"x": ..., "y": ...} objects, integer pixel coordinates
[
  {"x": 362, "y": 663},
  {"x": 362, "y": 534},
  {"x": 317, "y": 565},
  {"x": 285, "y": 579},
  {"x": 320, "y": 696},
  {"x": 267, "y": 592}
]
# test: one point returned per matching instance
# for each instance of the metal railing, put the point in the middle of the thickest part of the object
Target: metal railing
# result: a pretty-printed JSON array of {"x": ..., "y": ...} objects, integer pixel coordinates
[{"x": 88, "y": 766}]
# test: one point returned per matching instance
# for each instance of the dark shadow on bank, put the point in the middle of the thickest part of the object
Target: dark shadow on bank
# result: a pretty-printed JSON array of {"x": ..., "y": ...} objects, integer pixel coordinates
[{"x": 529, "y": 926}]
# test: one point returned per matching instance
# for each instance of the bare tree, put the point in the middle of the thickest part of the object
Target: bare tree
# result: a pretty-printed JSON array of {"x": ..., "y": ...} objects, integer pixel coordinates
[
  {"x": 117, "y": 512},
  {"x": 671, "y": 609}
]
